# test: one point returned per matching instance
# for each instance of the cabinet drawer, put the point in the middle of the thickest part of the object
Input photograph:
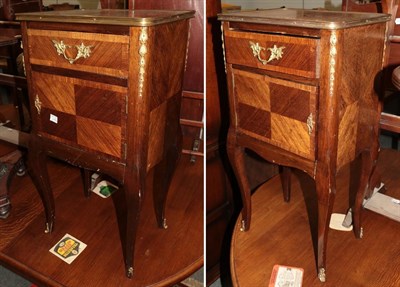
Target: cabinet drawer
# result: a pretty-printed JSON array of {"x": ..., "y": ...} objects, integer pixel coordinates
[
  {"x": 84, "y": 114},
  {"x": 286, "y": 54},
  {"x": 91, "y": 52},
  {"x": 276, "y": 111}
]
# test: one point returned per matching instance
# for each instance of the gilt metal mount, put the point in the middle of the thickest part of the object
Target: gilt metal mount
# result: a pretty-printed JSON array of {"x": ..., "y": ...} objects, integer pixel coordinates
[
  {"x": 276, "y": 52},
  {"x": 82, "y": 51}
]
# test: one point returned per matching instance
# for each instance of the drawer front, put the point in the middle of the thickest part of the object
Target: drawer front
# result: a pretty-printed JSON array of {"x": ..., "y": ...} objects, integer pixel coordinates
[
  {"x": 89, "y": 52},
  {"x": 286, "y": 54},
  {"x": 80, "y": 113},
  {"x": 276, "y": 111}
]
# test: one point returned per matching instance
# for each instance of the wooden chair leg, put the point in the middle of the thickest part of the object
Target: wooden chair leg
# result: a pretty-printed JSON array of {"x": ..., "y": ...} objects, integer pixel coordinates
[{"x": 8, "y": 166}]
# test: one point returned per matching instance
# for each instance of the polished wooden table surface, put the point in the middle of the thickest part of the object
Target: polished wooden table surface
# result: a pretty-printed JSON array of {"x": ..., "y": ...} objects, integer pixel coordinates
[
  {"x": 280, "y": 234},
  {"x": 163, "y": 257}
]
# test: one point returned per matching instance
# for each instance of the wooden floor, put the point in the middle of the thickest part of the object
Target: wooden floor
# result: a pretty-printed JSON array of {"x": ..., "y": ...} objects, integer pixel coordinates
[
  {"x": 281, "y": 234},
  {"x": 162, "y": 257}
]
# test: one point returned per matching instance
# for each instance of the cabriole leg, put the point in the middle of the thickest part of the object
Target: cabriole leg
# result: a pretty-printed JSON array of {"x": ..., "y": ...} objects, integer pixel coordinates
[
  {"x": 326, "y": 189},
  {"x": 236, "y": 156},
  {"x": 37, "y": 168}
]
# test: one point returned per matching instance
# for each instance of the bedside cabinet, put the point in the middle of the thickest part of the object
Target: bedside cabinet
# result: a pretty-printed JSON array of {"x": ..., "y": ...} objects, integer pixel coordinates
[
  {"x": 105, "y": 90},
  {"x": 301, "y": 92}
]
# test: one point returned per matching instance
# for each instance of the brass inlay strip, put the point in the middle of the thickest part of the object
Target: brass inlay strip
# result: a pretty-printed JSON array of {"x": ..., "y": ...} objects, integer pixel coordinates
[
  {"x": 223, "y": 44},
  {"x": 143, "y": 37},
  {"x": 332, "y": 61}
]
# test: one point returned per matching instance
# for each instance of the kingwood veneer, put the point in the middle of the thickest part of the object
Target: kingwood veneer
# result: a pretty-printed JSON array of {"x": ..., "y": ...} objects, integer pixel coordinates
[
  {"x": 301, "y": 91},
  {"x": 105, "y": 91}
]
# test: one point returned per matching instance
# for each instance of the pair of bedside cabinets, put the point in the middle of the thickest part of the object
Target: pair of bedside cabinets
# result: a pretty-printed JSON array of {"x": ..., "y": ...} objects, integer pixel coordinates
[{"x": 105, "y": 90}]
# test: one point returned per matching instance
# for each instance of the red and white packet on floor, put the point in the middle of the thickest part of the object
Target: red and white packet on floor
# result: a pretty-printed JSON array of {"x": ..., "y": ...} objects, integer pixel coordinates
[{"x": 283, "y": 276}]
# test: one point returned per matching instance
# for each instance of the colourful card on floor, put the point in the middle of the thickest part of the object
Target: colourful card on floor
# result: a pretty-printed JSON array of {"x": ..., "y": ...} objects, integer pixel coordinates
[
  {"x": 105, "y": 189},
  {"x": 68, "y": 248},
  {"x": 286, "y": 276}
]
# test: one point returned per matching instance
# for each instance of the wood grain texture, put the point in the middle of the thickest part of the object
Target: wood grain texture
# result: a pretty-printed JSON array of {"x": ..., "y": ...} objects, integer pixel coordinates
[
  {"x": 317, "y": 127},
  {"x": 275, "y": 111},
  {"x": 99, "y": 136},
  {"x": 352, "y": 262},
  {"x": 238, "y": 51},
  {"x": 82, "y": 113},
  {"x": 194, "y": 74},
  {"x": 118, "y": 147},
  {"x": 94, "y": 221},
  {"x": 359, "y": 105},
  {"x": 109, "y": 53},
  {"x": 219, "y": 199}
]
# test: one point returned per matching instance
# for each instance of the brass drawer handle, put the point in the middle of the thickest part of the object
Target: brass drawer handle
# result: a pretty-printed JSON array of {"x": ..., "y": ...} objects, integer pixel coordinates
[
  {"x": 82, "y": 51},
  {"x": 276, "y": 53}
]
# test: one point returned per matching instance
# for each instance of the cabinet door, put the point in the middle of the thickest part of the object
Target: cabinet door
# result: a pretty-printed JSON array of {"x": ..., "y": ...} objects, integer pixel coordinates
[
  {"x": 81, "y": 113},
  {"x": 276, "y": 111}
]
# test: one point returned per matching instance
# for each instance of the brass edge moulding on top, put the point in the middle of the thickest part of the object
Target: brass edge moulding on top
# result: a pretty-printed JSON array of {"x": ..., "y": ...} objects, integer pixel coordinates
[
  {"x": 273, "y": 18},
  {"x": 104, "y": 19}
]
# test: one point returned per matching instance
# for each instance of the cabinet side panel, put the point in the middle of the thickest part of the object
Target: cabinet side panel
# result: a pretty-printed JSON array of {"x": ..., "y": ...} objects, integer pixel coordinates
[
  {"x": 169, "y": 44},
  {"x": 359, "y": 106}
]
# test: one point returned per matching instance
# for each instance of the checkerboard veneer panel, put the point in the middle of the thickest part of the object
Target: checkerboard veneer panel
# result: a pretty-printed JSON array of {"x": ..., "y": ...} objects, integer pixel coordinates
[
  {"x": 84, "y": 113},
  {"x": 276, "y": 111},
  {"x": 55, "y": 92},
  {"x": 99, "y": 104},
  {"x": 59, "y": 124},
  {"x": 254, "y": 120},
  {"x": 99, "y": 136}
]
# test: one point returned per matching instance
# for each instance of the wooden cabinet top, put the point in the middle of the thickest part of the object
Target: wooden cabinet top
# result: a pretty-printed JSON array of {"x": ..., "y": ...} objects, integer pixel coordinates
[
  {"x": 108, "y": 16},
  {"x": 305, "y": 18}
]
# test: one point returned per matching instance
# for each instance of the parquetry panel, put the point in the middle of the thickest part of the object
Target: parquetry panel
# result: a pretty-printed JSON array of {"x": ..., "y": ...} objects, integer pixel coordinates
[
  {"x": 82, "y": 113},
  {"x": 156, "y": 134},
  {"x": 99, "y": 104},
  {"x": 254, "y": 120},
  {"x": 290, "y": 102},
  {"x": 348, "y": 127},
  {"x": 276, "y": 111},
  {"x": 251, "y": 89},
  {"x": 290, "y": 134},
  {"x": 99, "y": 136},
  {"x": 55, "y": 92},
  {"x": 59, "y": 124}
]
